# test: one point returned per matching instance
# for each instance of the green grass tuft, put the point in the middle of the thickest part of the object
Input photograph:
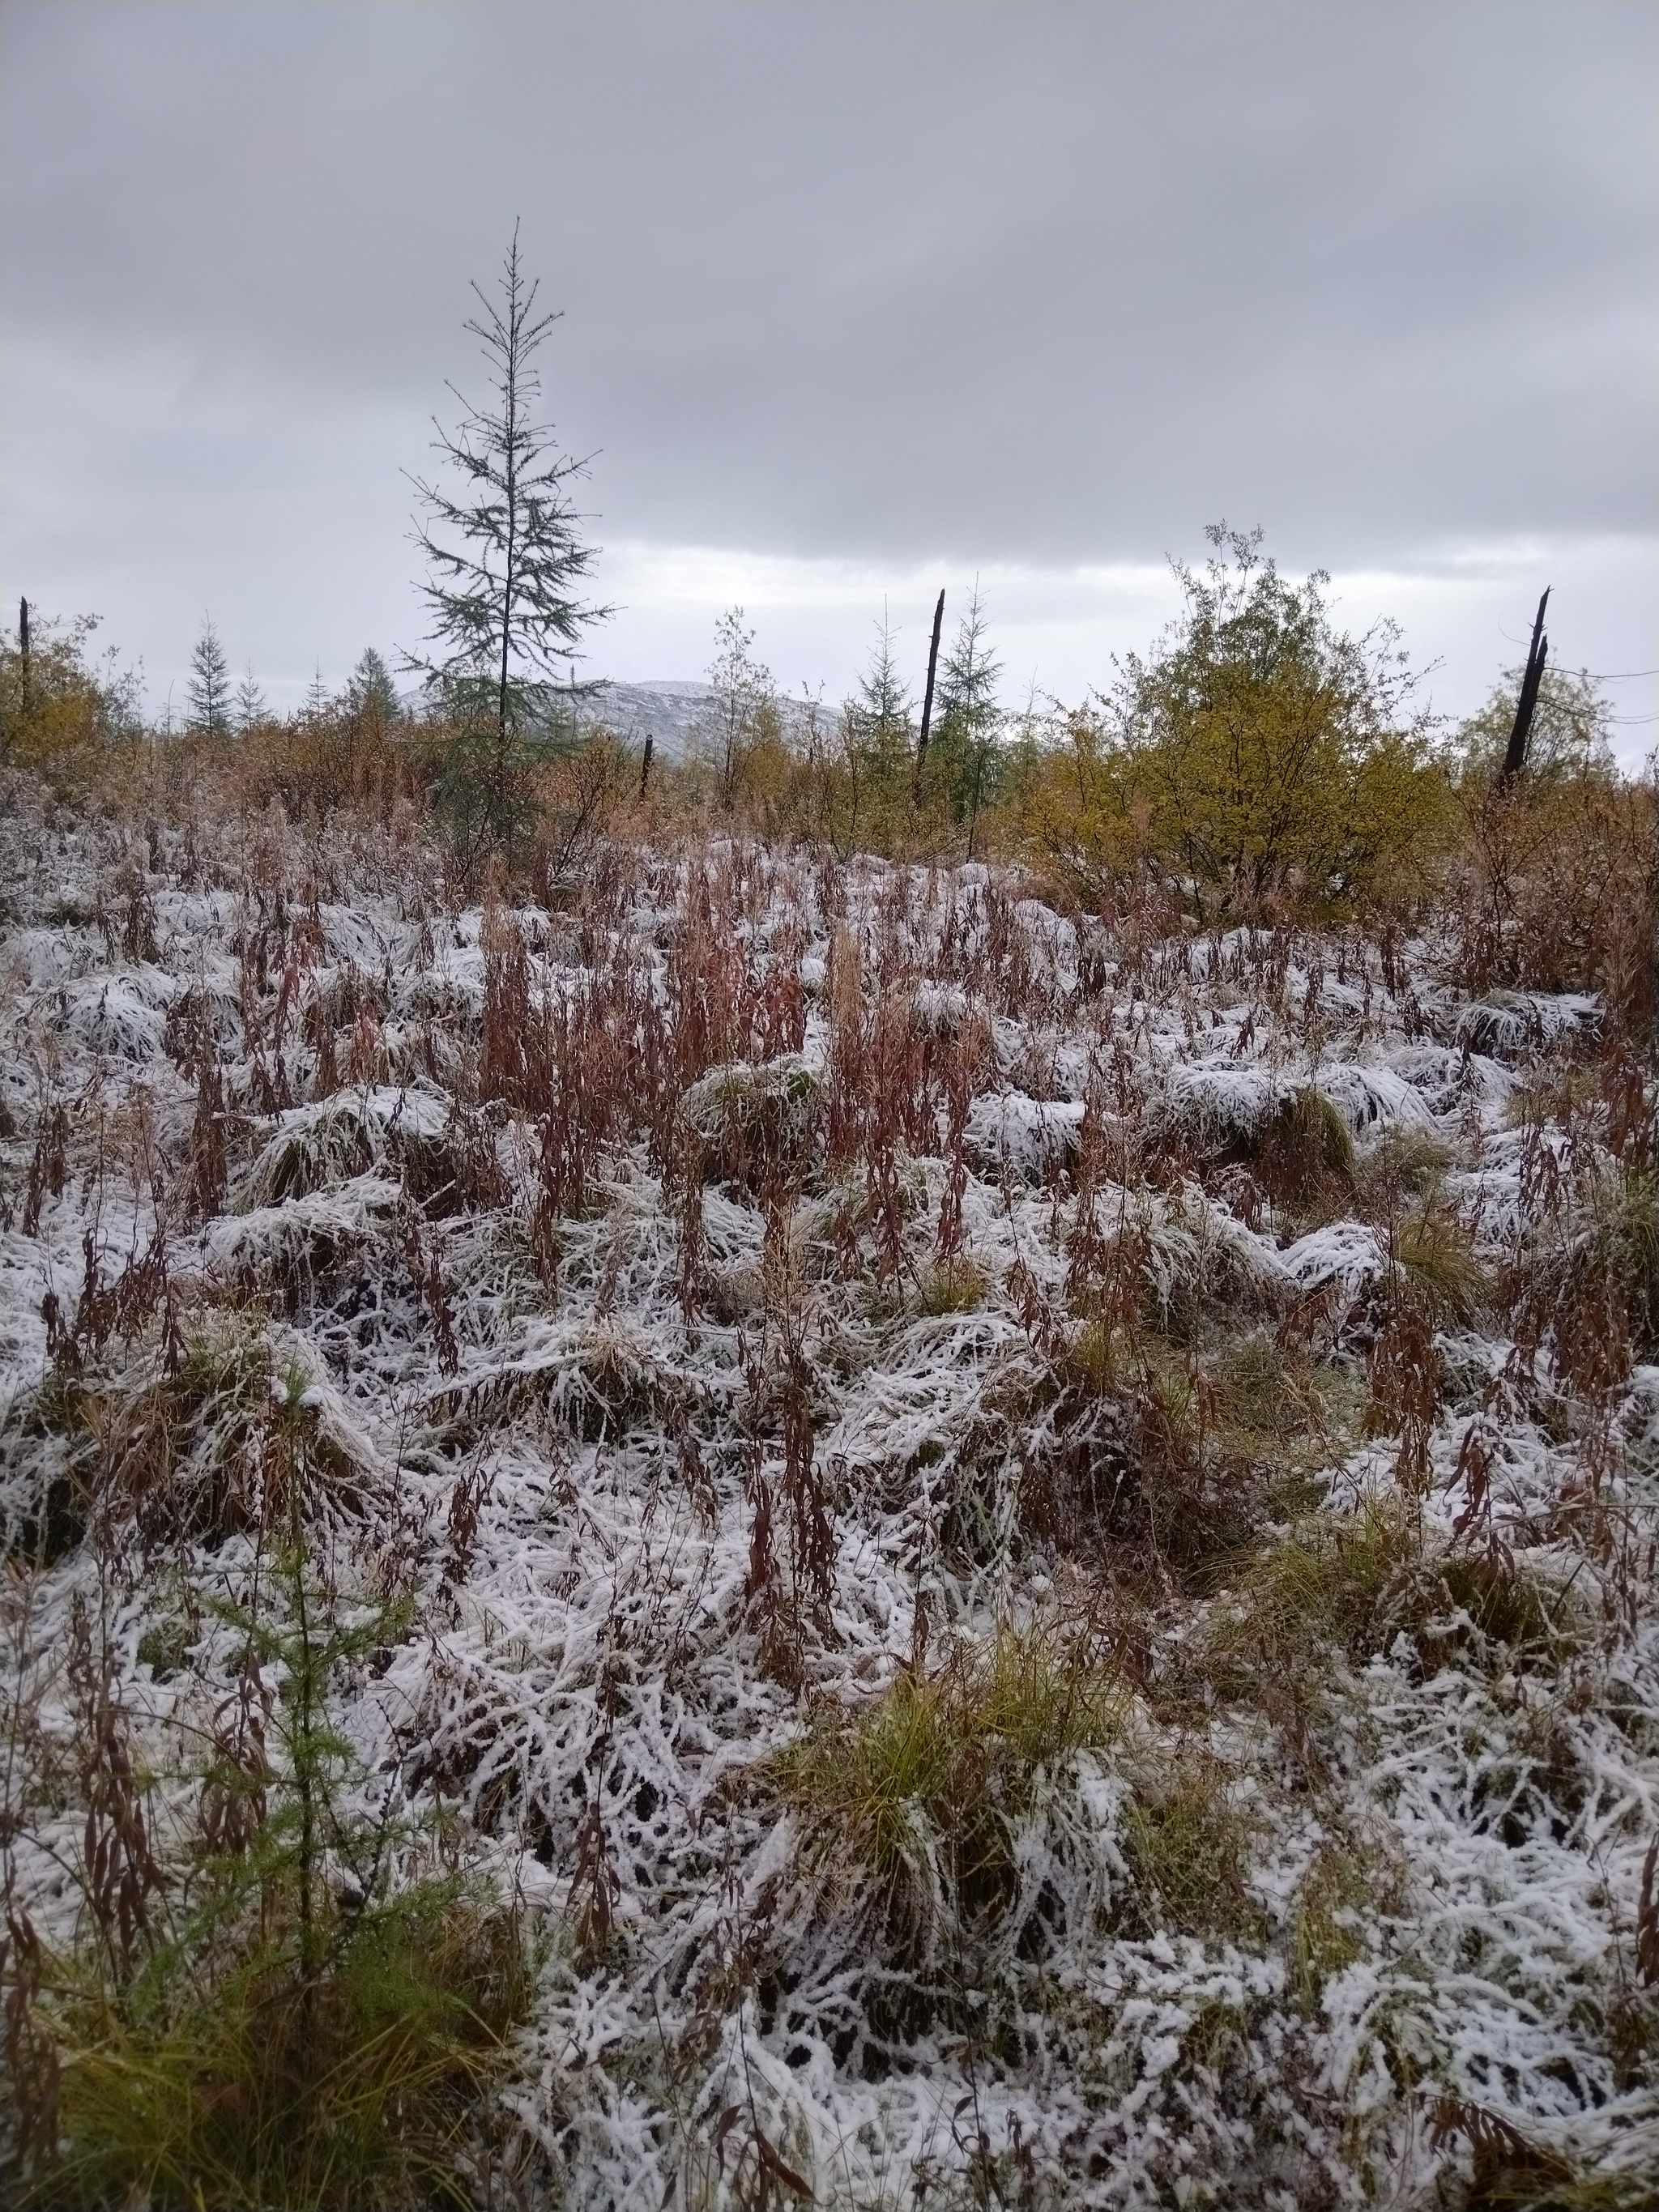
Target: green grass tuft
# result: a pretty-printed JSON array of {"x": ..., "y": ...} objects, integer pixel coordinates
[
  {"x": 914, "y": 1802},
  {"x": 1434, "y": 1259},
  {"x": 1187, "y": 1846}
]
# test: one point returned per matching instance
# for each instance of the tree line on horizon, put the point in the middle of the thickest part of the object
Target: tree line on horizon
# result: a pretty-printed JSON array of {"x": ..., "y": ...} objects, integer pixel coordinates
[{"x": 214, "y": 706}]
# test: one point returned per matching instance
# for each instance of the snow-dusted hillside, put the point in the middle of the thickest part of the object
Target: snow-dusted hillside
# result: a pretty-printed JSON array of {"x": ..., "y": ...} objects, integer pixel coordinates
[
  {"x": 999, "y": 1548},
  {"x": 676, "y": 716}
]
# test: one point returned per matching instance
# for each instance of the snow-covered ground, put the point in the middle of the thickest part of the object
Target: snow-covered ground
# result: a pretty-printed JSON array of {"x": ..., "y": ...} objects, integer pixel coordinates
[{"x": 605, "y": 1313}]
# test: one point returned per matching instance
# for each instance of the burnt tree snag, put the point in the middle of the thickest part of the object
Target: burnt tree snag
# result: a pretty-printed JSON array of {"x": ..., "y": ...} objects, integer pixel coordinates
[
  {"x": 1515, "y": 756},
  {"x": 928, "y": 696}
]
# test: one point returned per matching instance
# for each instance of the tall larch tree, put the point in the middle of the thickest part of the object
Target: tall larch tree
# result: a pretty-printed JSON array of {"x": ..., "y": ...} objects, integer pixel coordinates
[{"x": 506, "y": 563}]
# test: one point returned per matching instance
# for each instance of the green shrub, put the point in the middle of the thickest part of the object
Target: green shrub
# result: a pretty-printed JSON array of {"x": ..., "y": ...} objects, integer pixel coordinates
[{"x": 63, "y": 720}]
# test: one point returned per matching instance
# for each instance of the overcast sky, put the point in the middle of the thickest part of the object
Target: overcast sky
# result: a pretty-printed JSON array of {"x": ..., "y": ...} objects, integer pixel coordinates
[{"x": 859, "y": 300}]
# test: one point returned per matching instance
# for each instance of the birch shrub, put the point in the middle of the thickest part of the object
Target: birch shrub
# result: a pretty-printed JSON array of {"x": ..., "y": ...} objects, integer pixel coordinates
[{"x": 1259, "y": 762}]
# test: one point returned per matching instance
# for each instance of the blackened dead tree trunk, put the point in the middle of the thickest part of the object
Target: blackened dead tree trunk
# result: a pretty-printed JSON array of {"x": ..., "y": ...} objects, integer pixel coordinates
[
  {"x": 23, "y": 649},
  {"x": 645, "y": 765},
  {"x": 1515, "y": 756},
  {"x": 928, "y": 696}
]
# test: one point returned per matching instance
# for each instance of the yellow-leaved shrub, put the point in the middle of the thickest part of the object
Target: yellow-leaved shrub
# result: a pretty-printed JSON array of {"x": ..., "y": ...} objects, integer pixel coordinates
[
  {"x": 1258, "y": 763},
  {"x": 60, "y": 716}
]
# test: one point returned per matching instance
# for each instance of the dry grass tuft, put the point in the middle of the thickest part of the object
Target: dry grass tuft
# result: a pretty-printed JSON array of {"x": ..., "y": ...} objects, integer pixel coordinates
[
  {"x": 1589, "y": 1282},
  {"x": 1303, "y": 1157},
  {"x": 1331, "y": 1581},
  {"x": 958, "y": 1284}
]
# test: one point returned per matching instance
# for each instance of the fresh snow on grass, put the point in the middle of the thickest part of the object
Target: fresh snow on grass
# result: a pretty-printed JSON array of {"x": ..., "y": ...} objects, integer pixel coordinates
[{"x": 1353, "y": 1886}]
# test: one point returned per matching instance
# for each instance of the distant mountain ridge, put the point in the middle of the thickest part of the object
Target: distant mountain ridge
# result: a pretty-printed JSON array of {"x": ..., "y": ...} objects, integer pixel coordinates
[{"x": 674, "y": 713}]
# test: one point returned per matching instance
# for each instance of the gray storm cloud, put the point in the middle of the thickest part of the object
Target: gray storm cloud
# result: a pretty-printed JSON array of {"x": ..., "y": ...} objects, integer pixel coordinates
[{"x": 1009, "y": 285}]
